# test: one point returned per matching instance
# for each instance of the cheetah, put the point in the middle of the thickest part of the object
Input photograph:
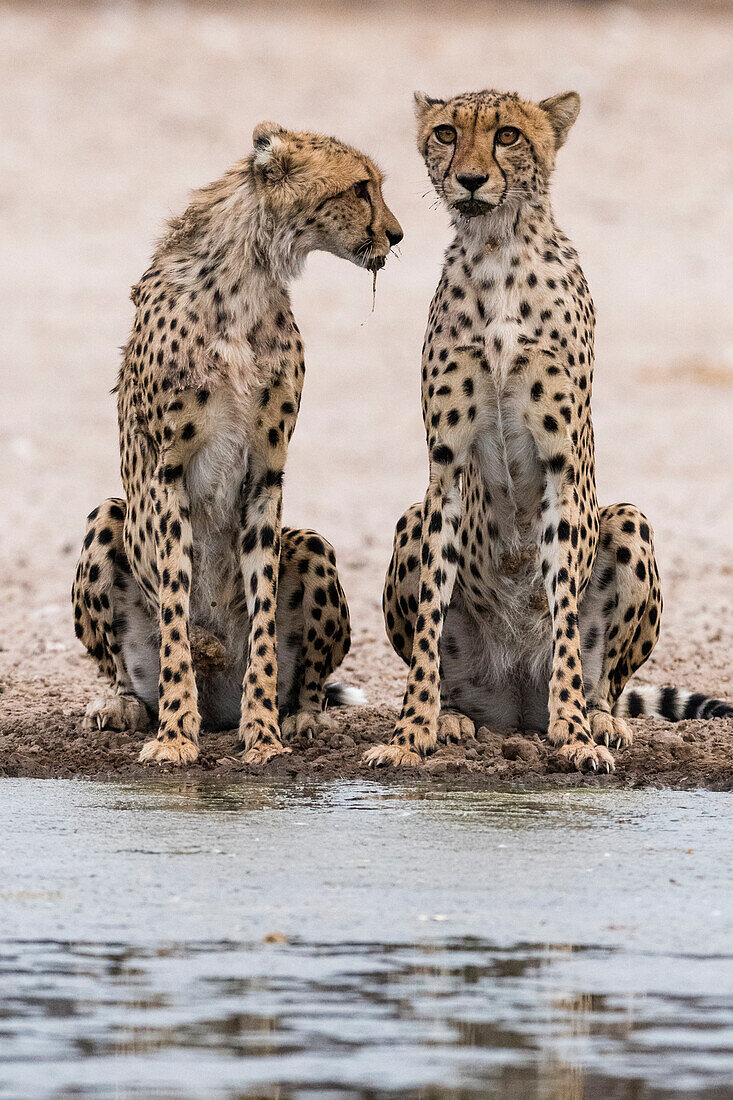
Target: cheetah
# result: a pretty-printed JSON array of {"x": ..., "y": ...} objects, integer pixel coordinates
[
  {"x": 515, "y": 600},
  {"x": 193, "y": 600}
]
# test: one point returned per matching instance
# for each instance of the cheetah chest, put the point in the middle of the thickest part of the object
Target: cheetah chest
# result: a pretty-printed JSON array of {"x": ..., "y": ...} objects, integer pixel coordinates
[
  {"x": 503, "y": 483},
  {"x": 502, "y": 492},
  {"x": 214, "y": 479}
]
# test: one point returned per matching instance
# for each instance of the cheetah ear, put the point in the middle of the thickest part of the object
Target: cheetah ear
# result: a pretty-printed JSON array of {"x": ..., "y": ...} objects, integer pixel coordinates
[
  {"x": 270, "y": 146},
  {"x": 562, "y": 111},
  {"x": 425, "y": 103}
]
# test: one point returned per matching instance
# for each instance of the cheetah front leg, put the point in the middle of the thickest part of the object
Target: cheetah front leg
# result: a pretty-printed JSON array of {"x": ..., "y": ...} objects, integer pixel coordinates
[
  {"x": 416, "y": 733},
  {"x": 562, "y": 547},
  {"x": 400, "y": 607},
  {"x": 261, "y": 535},
  {"x": 451, "y": 423},
  {"x": 178, "y": 716}
]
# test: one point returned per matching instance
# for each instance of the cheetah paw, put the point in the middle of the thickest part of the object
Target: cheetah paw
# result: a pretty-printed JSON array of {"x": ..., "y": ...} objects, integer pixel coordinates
[
  {"x": 586, "y": 756},
  {"x": 172, "y": 748},
  {"x": 263, "y": 751},
  {"x": 308, "y": 722},
  {"x": 453, "y": 726},
  {"x": 609, "y": 730},
  {"x": 399, "y": 756},
  {"x": 116, "y": 712}
]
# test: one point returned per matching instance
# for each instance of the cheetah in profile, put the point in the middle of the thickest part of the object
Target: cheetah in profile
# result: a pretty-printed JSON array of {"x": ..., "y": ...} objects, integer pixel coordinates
[
  {"x": 514, "y": 599},
  {"x": 188, "y": 594}
]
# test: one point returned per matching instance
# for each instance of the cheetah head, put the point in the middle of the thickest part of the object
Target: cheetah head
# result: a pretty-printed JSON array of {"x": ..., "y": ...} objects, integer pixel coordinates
[
  {"x": 485, "y": 150},
  {"x": 328, "y": 194}
]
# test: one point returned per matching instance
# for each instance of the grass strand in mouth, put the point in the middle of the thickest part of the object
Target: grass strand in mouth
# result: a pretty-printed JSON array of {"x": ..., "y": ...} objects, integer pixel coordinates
[{"x": 374, "y": 271}]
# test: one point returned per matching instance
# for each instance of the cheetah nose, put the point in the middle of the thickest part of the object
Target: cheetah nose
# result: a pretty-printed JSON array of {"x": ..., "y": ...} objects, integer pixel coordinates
[
  {"x": 394, "y": 236},
  {"x": 471, "y": 182}
]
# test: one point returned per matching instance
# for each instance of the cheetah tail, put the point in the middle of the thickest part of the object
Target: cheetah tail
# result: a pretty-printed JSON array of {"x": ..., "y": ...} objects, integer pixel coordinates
[
  {"x": 674, "y": 704},
  {"x": 341, "y": 695}
]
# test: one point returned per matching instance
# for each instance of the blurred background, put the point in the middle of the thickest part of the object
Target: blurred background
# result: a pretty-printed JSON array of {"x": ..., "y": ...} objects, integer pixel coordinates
[{"x": 112, "y": 112}]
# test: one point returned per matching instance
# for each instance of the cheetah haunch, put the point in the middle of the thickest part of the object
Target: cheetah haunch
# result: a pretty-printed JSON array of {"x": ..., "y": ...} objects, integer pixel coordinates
[
  {"x": 514, "y": 600},
  {"x": 188, "y": 594}
]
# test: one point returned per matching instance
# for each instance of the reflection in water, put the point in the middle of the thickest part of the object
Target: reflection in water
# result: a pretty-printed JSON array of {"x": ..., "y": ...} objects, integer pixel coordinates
[
  {"x": 458, "y": 1018},
  {"x": 210, "y": 795},
  {"x": 177, "y": 939}
]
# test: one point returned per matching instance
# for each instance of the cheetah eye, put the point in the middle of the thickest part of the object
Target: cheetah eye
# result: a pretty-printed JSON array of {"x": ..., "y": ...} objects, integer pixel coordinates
[
  {"x": 446, "y": 135},
  {"x": 507, "y": 135},
  {"x": 361, "y": 190}
]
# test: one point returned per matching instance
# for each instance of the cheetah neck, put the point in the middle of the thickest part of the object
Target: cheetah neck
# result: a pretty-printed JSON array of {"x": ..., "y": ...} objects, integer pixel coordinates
[
  {"x": 225, "y": 267},
  {"x": 512, "y": 228},
  {"x": 231, "y": 255}
]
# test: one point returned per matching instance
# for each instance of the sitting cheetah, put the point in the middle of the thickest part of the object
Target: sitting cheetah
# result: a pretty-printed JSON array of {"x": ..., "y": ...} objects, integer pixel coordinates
[
  {"x": 513, "y": 599},
  {"x": 190, "y": 597}
]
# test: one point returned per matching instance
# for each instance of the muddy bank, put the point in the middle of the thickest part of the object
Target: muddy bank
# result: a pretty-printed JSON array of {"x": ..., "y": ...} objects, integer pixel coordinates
[{"x": 684, "y": 755}]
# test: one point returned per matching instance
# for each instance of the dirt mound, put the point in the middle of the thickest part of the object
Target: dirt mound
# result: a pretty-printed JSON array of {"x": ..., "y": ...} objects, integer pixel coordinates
[{"x": 688, "y": 754}]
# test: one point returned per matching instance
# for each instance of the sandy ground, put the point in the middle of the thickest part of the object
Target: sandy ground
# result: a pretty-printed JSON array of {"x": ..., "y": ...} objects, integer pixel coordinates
[{"x": 111, "y": 113}]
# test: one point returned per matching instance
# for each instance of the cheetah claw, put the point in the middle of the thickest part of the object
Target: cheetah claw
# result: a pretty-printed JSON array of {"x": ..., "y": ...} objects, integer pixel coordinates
[
  {"x": 117, "y": 712},
  {"x": 609, "y": 730}
]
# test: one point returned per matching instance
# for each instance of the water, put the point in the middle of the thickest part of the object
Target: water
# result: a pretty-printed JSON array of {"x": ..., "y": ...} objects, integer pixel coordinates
[{"x": 438, "y": 944}]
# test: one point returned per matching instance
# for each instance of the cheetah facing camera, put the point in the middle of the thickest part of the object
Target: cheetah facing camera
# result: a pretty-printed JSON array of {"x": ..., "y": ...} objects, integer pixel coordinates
[
  {"x": 515, "y": 601},
  {"x": 188, "y": 594}
]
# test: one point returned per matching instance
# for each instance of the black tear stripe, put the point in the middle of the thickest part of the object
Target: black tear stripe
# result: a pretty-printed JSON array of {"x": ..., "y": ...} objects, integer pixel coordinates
[
  {"x": 370, "y": 229},
  {"x": 503, "y": 174},
  {"x": 450, "y": 165}
]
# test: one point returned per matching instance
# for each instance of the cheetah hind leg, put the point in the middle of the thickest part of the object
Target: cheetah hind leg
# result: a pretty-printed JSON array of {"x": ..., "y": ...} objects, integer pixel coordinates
[
  {"x": 100, "y": 583},
  {"x": 313, "y": 612},
  {"x": 619, "y": 617}
]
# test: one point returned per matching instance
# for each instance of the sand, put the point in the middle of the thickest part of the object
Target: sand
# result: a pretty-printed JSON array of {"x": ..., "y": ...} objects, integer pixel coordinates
[{"x": 112, "y": 113}]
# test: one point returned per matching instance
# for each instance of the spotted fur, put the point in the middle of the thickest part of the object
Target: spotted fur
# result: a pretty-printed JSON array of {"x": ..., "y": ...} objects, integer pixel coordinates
[
  {"x": 513, "y": 598},
  {"x": 188, "y": 594}
]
